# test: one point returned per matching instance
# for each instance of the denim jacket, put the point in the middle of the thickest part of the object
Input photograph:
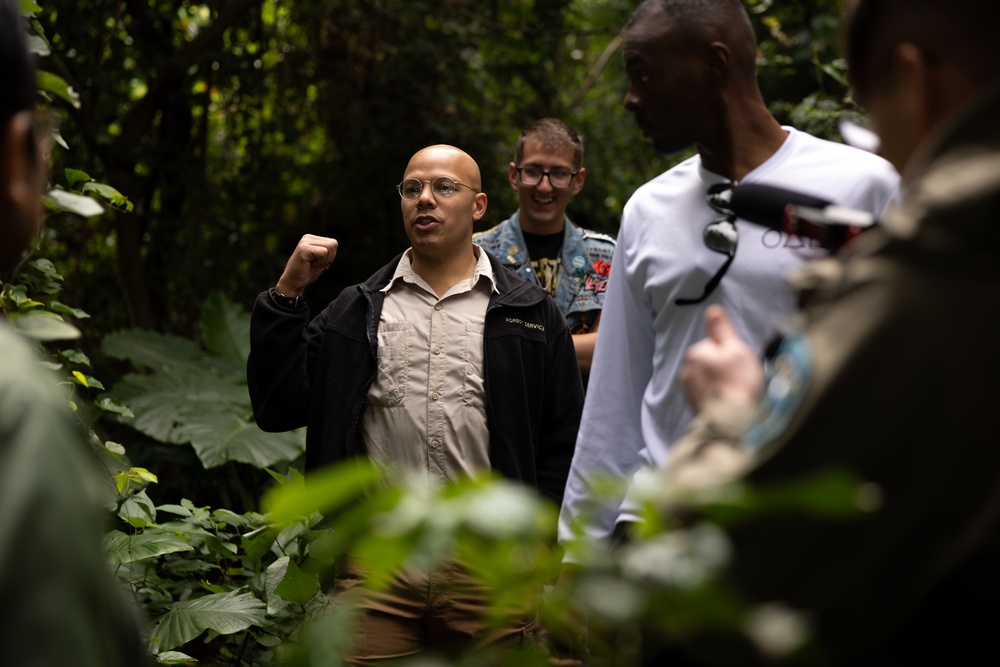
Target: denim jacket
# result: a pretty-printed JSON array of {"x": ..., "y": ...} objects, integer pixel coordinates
[{"x": 586, "y": 263}]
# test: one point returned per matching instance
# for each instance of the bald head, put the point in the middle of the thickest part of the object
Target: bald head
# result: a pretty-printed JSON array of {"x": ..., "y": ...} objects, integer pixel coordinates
[
  {"x": 452, "y": 158},
  {"x": 702, "y": 22}
]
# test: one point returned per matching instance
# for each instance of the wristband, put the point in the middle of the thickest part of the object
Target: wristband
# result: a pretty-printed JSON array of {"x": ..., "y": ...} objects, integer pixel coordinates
[{"x": 286, "y": 301}]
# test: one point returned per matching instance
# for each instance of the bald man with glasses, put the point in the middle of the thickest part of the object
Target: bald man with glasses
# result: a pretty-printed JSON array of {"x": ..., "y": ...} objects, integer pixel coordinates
[{"x": 442, "y": 364}]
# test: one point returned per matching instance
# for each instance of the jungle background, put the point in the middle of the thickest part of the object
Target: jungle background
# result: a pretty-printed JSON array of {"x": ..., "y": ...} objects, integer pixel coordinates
[{"x": 215, "y": 134}]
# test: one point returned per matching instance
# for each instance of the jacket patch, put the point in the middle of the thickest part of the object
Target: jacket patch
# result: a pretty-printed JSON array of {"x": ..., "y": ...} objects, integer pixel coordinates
[
  {"x": 529, "y": 325},
  {"x": 785, "y": 385},
  {"x": 595, "y": 285}
]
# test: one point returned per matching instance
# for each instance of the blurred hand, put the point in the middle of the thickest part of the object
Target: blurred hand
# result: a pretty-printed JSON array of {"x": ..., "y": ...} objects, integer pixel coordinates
[
  {"x": 721, "y": 365},
  {"x": 312, "y": 256}
]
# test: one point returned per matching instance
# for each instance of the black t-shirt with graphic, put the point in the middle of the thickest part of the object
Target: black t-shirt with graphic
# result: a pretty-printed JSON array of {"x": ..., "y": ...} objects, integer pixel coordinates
[{"x": 543, "y": 251}]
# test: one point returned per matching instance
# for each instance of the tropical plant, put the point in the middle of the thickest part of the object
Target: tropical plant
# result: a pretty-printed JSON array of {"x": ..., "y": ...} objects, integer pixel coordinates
[{"x": 195, "y": 393}]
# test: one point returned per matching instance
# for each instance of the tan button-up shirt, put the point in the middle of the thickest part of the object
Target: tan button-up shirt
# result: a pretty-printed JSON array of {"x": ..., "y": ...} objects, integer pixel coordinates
[{"x": 426, "y": 409}]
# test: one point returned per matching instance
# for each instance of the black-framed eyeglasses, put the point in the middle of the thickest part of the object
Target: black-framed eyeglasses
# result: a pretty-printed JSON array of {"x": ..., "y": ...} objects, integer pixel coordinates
[
  {"x": 442, "y": 186},
  {"x": 559, "y": 178},
  {"x": 720, "y": 236}
]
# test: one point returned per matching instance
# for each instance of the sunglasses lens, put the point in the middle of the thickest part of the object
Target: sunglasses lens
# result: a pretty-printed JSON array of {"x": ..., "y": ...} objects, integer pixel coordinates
[
  {"x": 719, "y": 197},
  {"x": 721, "y": 237}
]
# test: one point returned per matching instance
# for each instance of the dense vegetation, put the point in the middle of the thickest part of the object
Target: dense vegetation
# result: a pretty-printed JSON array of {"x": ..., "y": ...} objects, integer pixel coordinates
[
  {"x": 234, "y": 127},
  {"x": 214, "y": 134}
]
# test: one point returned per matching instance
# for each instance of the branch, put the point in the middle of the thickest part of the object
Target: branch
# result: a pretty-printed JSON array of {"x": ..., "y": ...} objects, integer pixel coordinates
[{"x": 595, "y": 71}]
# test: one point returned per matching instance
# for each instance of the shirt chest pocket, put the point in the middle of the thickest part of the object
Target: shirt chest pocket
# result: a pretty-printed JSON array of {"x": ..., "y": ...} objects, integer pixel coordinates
[
  {"x": 394, "y": 360},
  {"x": 473, "y": 387}
]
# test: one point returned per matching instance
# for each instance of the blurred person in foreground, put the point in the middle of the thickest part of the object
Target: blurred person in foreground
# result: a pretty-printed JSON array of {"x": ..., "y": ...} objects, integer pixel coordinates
[
  {"x": 64, "y": 607},
  {"x": 443, "y": 365},
  {"x": 541, "y": 244},
  {"x": 892, "y": 377}
]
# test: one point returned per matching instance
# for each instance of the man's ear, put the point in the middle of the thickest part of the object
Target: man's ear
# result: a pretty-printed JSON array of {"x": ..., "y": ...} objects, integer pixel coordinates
[
  {"x": 581, "y": 176},
  {"x": 916, "y": 78},
  {"x": 480, "y": 206},
  {"x": 19, "y": 188},
  {"x": 16, "y": 169},
  {"x": 718, "y": 60},
  {"x": 512, "y": 176}
]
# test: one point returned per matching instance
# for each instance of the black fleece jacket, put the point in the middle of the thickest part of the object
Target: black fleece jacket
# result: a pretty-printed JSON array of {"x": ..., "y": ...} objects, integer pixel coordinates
[{"x": 317, "y": 374}]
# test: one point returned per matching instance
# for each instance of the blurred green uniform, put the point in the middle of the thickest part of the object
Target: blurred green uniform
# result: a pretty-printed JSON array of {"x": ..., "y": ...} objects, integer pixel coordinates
[{"x": 62, "y": 604}]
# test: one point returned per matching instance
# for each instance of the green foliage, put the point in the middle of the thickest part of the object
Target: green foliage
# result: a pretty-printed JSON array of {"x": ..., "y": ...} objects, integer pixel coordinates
[
  {"x": 667, "y": 584},
  {"x": 235, "y": 127},
  {"x": 191, "y": 393},
  {"x": 224, "y": 613},
  {"x": 197, "y": 570},
  {"x": 29, "y": 303}
]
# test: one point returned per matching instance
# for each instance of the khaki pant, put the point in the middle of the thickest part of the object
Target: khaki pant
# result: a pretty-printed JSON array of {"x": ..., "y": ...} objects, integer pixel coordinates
[{"x": 442, "y": 611}]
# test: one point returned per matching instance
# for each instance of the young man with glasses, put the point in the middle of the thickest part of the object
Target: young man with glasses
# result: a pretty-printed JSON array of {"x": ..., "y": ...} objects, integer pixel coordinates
[
  {"x": 541, "y": 244},
  {"x": 442, "y": 364},
  {"x": 691, "y": 66},
  {"x": 891, "y": 376}
]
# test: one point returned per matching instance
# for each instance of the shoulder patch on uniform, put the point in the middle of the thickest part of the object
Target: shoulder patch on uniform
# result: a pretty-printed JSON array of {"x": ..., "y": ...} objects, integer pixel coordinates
[
  {"x": 491, "y": 230},
  {"x": 597, "y": 236},
  {"x": 786, "y": 383}
]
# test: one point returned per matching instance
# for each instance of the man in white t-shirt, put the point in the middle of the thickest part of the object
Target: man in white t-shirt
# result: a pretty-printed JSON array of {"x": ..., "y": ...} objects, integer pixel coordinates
[{"x": 693, "y": 82}]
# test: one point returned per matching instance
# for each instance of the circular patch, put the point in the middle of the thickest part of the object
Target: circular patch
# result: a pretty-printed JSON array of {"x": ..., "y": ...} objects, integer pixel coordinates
[
  {"x": 578, "y": 262},
  {"x": 785, "y": 385}
]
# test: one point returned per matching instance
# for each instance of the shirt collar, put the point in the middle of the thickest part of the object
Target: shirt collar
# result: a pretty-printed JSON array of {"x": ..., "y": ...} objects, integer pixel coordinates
[
  {"x": 483, "y": 269},
  {"x": 404, "y": 270}
]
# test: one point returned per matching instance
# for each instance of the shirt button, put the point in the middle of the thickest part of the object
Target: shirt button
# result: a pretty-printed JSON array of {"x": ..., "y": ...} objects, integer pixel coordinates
[
  {"x": 437, "y": 349},
  {"x": 437, "y": 306},
  {"x": 435, "y": 396},
  {"x": 435, "y": 444}
]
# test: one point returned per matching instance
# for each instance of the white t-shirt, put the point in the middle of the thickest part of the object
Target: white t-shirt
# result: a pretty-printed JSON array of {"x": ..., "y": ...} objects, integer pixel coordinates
[{"x": 635, "y": 406}]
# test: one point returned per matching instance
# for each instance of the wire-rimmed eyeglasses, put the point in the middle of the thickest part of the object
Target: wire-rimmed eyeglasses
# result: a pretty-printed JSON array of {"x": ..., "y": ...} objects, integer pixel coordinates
[
  {"x": 442, "y": 186},
  {"x": 719, "y": 236},
  {"x": 559, "y": 178}
]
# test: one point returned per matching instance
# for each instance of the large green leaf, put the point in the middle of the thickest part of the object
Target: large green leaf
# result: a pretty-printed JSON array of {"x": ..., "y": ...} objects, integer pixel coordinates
[
  {"x": 225, "y": 613},
  {"x": 297, "y": 585},
  {"x": 60, "y": 200},
  {"x": 108, "y": 194},
  {"x": 55, "y": 84},
  {"x": 42, "y": 327},
  {"x": 327, "y": 490},
  {"x": 219, "y": 437},
  {"x": 226, "y": 329},
  {"x": 150, "y": 349},
  {"x": 29, "y": 7},
  {"x": 274, "y": 576},
  {"x": 257, "y": 543},
  {"x": 165, "y": 401},
  {"x": 120, "y": 548},
  {"x": 138, "y": 510},
  {"x": 287, "y": 582}
]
